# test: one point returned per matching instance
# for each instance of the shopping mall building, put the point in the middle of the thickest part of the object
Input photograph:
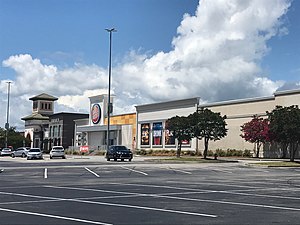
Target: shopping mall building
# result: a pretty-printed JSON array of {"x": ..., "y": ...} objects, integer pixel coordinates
[
  {"x": 147, "y": 127},
  {"x": 152, "y": 132}
]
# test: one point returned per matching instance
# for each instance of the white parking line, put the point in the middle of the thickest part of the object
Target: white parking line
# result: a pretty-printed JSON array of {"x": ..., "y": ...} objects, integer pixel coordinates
[
  {"x": 194, "y": 190},
  {"x": 46, "y": 173},
  {"x": 92, "y": 172},
  {"x": 135, "y": 170},
  {"x": 233, "y": 203},
  {"x": 102, "y": 203},
  {"x": 146, "y": 208},
  {"x": 181, "y": 171},
  {"x": 165, "y": 195},
  {"x": 53, "y": 216},
  {"x": 220, "y": 170}
]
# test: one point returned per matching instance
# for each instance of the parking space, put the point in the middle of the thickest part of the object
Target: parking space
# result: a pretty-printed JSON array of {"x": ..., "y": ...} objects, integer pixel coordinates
[{"x": 100, "y": 192}]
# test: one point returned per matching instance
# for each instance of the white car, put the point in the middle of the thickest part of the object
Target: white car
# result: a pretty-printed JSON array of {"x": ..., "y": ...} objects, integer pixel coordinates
[
  {"x": 6, "y": 152},
  {"x": 35, "y": 153},
  {"x": 20, "y": 152},
  {"x": 57, "y": 151}
]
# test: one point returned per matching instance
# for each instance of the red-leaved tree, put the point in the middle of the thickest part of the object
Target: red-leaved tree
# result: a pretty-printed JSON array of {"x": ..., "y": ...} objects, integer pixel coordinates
[{"x": 256, "y": 131}]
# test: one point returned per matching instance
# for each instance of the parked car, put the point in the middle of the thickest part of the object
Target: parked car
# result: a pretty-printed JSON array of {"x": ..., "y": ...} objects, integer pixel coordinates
[
  {"x": 35, "y": 153},
  {"x": 20, "y": 152},
  {"x": 6, "y": 152},
  {"x": 57, "y": 151},
  {"x": 118, "y": 152}
]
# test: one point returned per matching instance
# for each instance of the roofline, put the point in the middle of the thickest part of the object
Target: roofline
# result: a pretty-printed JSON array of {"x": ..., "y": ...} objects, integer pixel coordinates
[
  {"x": 238, "y": 101},
  {"x": 181, "y": 103},
  {"x": 69, "y": 113},
  {"x": 122, "y": 114},
  {"x": 287, "y": 92},
  {"x": 37, "y": 97}
]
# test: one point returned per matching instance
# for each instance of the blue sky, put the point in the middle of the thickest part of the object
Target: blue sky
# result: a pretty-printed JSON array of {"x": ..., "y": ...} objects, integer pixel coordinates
[
  {"x": 163, "y": 50},
  {"x": 67, "y": 31},
  {"x": 283, "y": 60}
]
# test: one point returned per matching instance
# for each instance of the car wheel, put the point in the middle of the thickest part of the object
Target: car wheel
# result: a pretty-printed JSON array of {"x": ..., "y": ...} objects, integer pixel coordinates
[
  {"x": 129, "y": 160},
  {"x": 64, "y": 157},
  {"x": 13, "y": 155},
  {"x": 51, "y": 157},
  {"x": 27, "y": 158},
  {"x": 23, "y": 155},
  {"x": 108, "y": 159}
]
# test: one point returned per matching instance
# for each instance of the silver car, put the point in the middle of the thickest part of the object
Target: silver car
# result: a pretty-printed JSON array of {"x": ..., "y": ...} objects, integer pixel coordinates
[
  {"x": 6, "y": 152},
  {"x": 35, "y": 153},
  {"x": 57, "y": 151},
  {"x": 20, "y": 152}
]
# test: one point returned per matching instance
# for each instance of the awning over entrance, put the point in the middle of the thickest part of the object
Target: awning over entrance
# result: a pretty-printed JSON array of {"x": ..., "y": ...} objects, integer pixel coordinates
[{"x": 98, "y": 128}]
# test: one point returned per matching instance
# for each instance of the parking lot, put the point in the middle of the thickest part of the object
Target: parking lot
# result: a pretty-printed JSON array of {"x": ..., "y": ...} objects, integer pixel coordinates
[{"x": 93, "y": 191}]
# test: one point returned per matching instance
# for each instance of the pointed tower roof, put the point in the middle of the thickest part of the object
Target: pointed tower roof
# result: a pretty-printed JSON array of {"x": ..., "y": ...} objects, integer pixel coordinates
[{"x": 43, "y": 96}]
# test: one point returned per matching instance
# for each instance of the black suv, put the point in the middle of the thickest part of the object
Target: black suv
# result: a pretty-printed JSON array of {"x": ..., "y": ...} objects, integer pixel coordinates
[{"x": 118, "y": 152}]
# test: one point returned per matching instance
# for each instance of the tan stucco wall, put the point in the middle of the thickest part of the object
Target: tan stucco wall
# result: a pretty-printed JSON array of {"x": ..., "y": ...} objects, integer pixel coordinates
[{"x": 241, "y": 112}]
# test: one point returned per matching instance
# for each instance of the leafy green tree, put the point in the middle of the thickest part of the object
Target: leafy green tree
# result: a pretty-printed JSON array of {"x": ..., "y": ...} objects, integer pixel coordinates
[
  {"x": 208, "y": 125},
  {"x": 256, "y": 131},
  {"x": 180, "y": 127},
  {"x": 285, "y": 127},
  {"x": 14, "y": 138}
]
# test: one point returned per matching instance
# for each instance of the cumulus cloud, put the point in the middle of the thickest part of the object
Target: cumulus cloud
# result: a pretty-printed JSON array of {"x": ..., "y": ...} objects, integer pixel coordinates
[{"x": 216, "y": 55}]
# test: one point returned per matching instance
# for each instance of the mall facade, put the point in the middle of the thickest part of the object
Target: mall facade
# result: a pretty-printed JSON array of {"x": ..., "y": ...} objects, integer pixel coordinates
[
  {"x": 147, "y": 128},
  {"x": 152, "y": 132}
]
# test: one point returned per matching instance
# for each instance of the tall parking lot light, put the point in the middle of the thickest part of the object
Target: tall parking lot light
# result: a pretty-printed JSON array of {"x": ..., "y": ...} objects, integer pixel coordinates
[
  {"x": 7, "y": 113},
  {"x": 109, "y": 105}
]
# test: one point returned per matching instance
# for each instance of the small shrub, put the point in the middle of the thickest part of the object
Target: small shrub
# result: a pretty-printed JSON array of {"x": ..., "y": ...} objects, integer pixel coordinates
[
  {"x": 247, "y": 153},
  {"x": 221, "y": 152},
  {"x": 141, "y": 152},
  {"x": 210, "y": 153}
]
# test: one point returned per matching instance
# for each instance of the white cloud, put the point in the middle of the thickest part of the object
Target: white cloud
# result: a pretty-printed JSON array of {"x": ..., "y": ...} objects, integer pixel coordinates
[{"x": 216, "y": 56}]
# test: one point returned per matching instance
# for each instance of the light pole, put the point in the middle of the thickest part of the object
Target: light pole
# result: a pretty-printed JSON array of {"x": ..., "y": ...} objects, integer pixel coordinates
[
  {"x": 109, "y": 105},
  {"x": 7, "y": 114}
]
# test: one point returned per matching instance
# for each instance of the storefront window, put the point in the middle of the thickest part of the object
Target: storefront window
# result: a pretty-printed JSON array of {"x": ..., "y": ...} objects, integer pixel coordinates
[
  {"x": 157, "y": 133},
  {"x": 145, "y": 131},
  {"x": 169, "y": 138}
]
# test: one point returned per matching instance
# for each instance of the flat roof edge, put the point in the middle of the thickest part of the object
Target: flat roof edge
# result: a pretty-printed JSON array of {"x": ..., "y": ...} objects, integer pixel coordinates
[
  {"x": 238, "y": 101},
  {"x": 181, "y": 103}
]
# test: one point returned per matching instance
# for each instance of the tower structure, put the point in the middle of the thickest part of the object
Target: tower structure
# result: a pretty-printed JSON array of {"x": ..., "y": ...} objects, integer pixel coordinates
[{"x": 37, "y": 123}]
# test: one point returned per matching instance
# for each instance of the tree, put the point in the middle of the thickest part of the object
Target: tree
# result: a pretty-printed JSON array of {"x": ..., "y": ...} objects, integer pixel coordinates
[
  {"x": 285, "y": 127},
  {"x": 208, "y": 125},
  {"x": 14, "y": 138},
  {"x": 179, "y": 126},
  {"x": 256, "y": 131}
]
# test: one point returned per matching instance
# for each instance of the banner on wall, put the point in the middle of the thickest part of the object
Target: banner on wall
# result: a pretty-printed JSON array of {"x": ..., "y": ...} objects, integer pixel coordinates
[
  {"x": 169, "y": 137},
  {"x": 157, "y": 133},
  {"x": 145, "y": 132}
]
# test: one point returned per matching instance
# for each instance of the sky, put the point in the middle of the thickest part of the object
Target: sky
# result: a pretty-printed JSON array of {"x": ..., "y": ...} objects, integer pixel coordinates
[{"x": 163, "y": 50}]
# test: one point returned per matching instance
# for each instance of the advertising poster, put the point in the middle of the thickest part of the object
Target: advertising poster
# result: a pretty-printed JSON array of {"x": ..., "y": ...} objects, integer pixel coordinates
[
  {"x": 145, "y": 131},
  {"x": 157, "y": 133},
  {"x": 169, "y": 138}
]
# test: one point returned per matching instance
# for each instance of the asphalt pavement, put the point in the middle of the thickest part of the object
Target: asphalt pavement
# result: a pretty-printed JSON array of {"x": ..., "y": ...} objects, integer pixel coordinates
[{"x": 90, "y": 190}]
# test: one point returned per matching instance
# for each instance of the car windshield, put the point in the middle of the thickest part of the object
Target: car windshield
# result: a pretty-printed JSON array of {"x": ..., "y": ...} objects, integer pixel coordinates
[
  {"x": 58, "y": 148},
  {"x": 121, "y": 148},
  {"x": 34, "y": 150}
]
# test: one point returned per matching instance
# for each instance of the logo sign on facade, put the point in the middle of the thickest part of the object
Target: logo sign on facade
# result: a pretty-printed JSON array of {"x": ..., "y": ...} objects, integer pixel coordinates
[
  {"x": 96, "y": 113},
  {"x": 84, "y": 149}
]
